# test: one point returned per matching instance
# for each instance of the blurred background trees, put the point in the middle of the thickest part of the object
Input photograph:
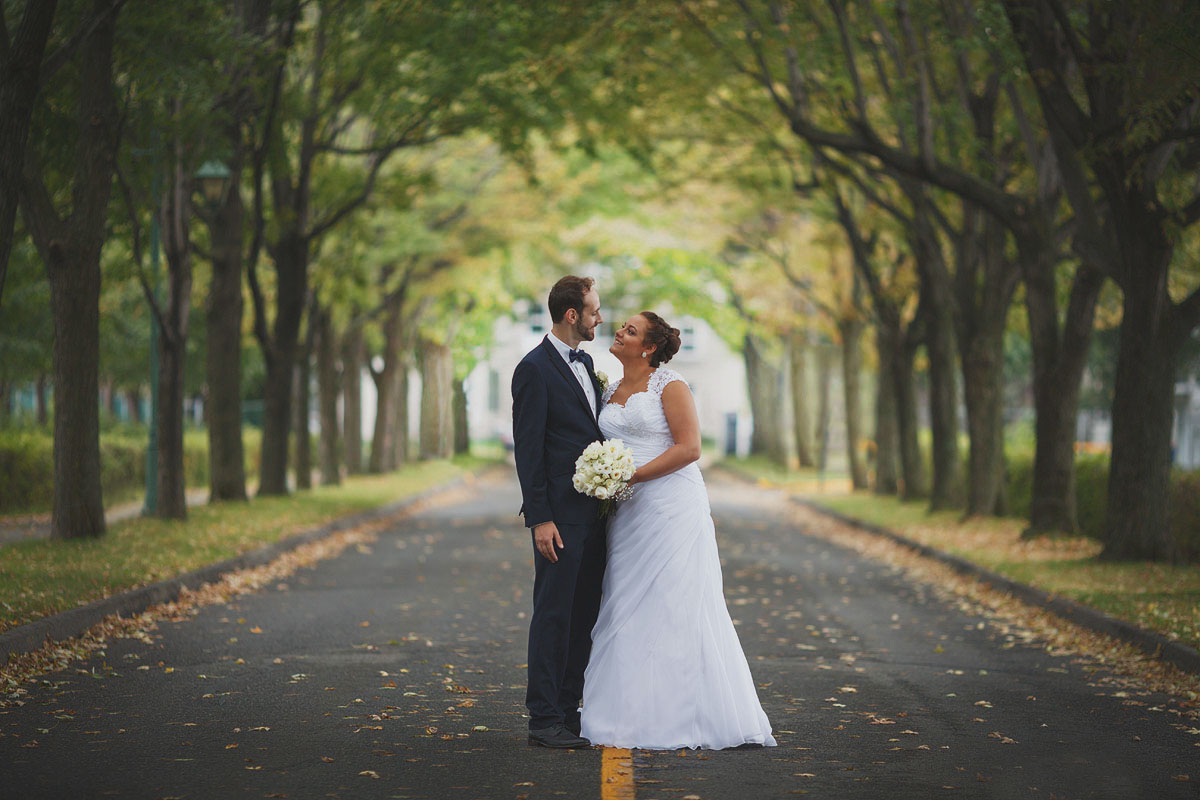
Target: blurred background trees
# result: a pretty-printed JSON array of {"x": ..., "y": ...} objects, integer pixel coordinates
[{"x": 960, "y": 209}]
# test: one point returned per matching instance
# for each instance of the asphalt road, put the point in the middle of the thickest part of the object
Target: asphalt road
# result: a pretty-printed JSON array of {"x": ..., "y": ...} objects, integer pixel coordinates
[{"x": 397, "y": 670}]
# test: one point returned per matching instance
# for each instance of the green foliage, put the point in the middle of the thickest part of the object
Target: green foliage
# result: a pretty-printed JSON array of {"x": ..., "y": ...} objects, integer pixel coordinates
[
  {"x": 26, "y": 471},
  {"x": 26, "y": 327},
  {"x": 27, "y": 466},
  {"x": 1091, "y": 498}
]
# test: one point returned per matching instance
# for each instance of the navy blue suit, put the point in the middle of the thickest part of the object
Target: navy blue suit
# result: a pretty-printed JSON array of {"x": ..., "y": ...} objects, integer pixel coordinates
[{"x": 552, "y": 424}]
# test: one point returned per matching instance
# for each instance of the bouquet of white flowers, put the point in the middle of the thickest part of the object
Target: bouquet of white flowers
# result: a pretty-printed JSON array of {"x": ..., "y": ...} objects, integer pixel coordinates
[{"x": 603, "y": 471}]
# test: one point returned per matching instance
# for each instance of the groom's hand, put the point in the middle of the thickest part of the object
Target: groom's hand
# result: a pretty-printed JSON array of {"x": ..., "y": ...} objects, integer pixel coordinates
[{"x": 545, "y": 537}]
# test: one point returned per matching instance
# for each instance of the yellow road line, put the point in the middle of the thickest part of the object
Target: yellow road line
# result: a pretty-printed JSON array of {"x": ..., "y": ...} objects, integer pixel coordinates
[{"x": 616, "y": 774}]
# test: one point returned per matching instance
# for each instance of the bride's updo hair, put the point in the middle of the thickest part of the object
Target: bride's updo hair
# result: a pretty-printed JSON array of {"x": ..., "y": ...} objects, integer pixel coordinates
[{"x": 662, "y": 336}]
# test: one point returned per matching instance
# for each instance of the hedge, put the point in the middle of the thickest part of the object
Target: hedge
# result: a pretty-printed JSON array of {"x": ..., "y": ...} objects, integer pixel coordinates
[
  {"x": 27, "y": 466},
  {"x": 1091, "y": 497}
]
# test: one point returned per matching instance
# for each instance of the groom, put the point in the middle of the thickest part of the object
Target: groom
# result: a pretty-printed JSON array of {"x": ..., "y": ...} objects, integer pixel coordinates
[{"x": 555, "y": 404}]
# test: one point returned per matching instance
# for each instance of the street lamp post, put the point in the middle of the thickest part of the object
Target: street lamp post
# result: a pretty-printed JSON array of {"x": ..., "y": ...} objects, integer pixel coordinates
[{"x": 213, "y": 177}]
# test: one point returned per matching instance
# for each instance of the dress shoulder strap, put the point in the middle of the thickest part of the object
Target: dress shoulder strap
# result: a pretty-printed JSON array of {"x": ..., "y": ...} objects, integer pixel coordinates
[
  {"x": 608, "y": 392},
  {"x": 661, "y": 377}
]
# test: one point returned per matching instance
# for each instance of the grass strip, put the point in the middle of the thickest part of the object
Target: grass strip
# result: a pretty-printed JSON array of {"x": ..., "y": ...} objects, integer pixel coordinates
[
  {"x": 39, "y": 578},
  {"x": 1155, "y": 596}
]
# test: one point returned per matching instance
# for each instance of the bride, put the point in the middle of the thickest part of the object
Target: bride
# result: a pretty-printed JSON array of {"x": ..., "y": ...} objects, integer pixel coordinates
[{"x": 666, "y": 669}]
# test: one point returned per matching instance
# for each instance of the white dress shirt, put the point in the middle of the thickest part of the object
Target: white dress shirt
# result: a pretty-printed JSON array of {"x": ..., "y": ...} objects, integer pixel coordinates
[{"x": 578, "y": 368}]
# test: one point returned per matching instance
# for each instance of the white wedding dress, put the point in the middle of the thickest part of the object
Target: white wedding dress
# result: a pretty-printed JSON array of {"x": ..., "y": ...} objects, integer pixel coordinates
[{"x": 666, "y": 670}]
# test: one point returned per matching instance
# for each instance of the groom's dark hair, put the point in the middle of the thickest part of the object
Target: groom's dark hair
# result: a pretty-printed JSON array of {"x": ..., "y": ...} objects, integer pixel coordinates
[{"x": 568, "y": 293}]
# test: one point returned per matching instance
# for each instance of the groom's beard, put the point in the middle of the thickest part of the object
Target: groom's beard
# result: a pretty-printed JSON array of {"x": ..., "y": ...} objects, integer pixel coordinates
[{"x": 584, "y": 334}]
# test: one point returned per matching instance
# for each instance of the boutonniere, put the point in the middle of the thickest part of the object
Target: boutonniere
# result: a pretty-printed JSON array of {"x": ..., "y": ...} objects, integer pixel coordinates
[{"x": 602, "y": 378}]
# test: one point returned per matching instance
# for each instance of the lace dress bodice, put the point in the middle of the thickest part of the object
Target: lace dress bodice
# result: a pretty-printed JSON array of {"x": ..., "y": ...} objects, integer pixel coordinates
[{"x": 641, "y": 423}]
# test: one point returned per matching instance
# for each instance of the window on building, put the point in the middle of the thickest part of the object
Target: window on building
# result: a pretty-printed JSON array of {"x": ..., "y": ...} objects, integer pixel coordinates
[{"x": 687, "y": 338}]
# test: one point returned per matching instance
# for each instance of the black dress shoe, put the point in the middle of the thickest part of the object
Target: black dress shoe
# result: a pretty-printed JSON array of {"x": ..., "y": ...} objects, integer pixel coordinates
[
  {"x": 557, "y": 737},
  {"x": 572, "y": 726}
]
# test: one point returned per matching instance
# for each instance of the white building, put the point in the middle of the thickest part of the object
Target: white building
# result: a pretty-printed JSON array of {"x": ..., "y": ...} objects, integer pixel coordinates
[{"x": 1185, "y": 430}]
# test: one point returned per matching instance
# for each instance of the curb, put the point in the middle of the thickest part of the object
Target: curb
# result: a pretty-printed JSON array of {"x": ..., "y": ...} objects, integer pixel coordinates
[
  {"x": 64, "y": 625},
  {"x": 1153, "y": 644}
]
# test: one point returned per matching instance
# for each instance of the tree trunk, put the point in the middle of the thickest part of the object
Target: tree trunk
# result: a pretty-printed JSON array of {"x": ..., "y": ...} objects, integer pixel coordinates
[
  {"x": 824, "y": 390},
  {"x": 400, "y": 415},
  {"x": 1137, "y": 520},
  {"x": 40, "y": 399},
  {"x": 352, "y": 356},
  {"x": 327, "y": 394},
  {"x": 939, "y": 346},
  {"x": 383, "y": 437},
  {"x": 887, "y": 481},
  {"x": 303, "y": 383},
  {"x": 20, "y": 70},
  {"x": 766, "y": 437},
  {"x": 851, "y": 333},
  {"x": 175, "y": 218},
  {"x": 108, "y": 397},
  {"x": 943, "y": 411},
  {"x": 983, "y": 387},
  {"x": 437, "y": 375},
  {"x": 133, "y": 399},
  {"x": 5, "y": 401},
  {"x": 802, "y": 429},
  {"x": 1059, "y": 358},
  {"x": 223, "y": 361},
  {"x": 291, "y": 265},
  {"x": 388, "y": 391},
  {"x": 75, "y": 296},
  {"x": 462, "y": 435},
  {"x": 985, "y": 280},
  {"x": 70, "y": 249},
  {"x": 172, "y": 486},
  {"x": 912, "y": 465}
]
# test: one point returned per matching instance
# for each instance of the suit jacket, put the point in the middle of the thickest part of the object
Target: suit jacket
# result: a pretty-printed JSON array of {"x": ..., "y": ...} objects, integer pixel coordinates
[{"x": 552, "y": 424}]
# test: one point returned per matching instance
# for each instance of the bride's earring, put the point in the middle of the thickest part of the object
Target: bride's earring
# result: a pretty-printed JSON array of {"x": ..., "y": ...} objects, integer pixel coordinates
[{"x": 643, "y": 355}]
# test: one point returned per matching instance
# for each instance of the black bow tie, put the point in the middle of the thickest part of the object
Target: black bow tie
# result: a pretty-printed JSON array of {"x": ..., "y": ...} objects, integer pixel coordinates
[{"x": 578, "y": 355}]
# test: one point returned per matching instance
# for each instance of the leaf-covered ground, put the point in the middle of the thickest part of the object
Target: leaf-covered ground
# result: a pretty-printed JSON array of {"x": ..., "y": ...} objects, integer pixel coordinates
[{"x": 1155, "y": 596}]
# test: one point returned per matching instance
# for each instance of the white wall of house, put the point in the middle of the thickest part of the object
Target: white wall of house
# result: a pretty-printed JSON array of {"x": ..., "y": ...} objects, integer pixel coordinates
[{"x": 1185, "y": 431}]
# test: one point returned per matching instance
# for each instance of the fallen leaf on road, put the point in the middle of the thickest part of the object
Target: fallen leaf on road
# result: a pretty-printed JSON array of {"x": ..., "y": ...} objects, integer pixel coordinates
[
  {"x": 327, "y": 759},
  {"x": 370, "y": 773}
]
